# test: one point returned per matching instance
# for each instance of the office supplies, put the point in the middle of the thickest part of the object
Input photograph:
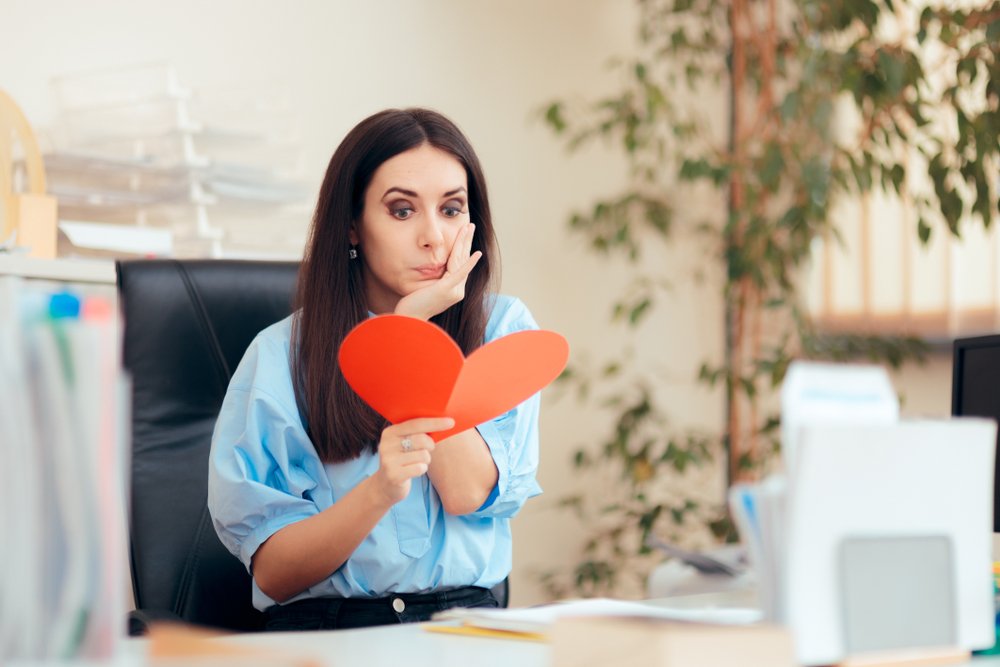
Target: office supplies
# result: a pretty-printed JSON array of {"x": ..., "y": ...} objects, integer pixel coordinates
[
  {"x": 758, "y": 511},
  {"x": 218, "y": 171},
  {"x": 405, "y": 368},
  {"x": 487, "y": 633},
  {"x": 123, "y": 239},
  {"x": 21, "y": 497},
  {"x": 704, "y": 563},
  {"x": 819, "y": 393},
  {"x": 889, "y": 539},
  {"x": 540, "y": 620},
  {"x": 61, "y": 403}
]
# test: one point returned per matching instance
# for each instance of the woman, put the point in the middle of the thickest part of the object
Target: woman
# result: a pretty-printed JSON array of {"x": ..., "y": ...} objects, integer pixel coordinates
[{"x": 342, "y": 519}]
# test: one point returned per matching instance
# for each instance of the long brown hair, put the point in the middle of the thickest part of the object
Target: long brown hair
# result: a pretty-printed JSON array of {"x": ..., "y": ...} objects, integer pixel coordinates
[{"x": 331, "y": 300}]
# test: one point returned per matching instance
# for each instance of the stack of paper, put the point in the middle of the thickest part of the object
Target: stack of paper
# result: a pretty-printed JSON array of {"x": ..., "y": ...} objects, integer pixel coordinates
[
  {"x": 62, "y": 481},
  {"x": 615, "y": 632},
  {"x": 536, "y": 622}
]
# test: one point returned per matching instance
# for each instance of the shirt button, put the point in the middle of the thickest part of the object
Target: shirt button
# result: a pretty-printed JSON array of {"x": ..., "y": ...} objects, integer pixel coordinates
[{"x": 398, "y": 605}]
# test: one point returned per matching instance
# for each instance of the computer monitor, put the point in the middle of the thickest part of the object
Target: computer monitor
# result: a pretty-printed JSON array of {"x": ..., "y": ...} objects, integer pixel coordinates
[{"x": 975, "y": 390}]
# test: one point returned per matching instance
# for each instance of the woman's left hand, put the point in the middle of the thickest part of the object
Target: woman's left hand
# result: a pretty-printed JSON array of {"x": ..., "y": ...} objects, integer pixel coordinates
[{"x": 449, "y": 289}]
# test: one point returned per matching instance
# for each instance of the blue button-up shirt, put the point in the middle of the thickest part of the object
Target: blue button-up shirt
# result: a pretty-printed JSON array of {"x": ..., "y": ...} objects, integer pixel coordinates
[{"x": 264, "y": 474}]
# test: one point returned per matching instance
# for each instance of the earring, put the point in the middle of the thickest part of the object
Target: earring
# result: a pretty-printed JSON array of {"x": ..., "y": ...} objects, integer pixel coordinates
[{"x": 352, "y": 253}]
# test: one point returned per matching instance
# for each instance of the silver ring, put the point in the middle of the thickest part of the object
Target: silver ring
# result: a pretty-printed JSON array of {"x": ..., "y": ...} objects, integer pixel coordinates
[{"x": 406, "y": 444}]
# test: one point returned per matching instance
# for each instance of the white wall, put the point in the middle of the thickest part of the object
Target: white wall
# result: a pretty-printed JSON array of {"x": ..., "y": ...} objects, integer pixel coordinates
[
  {"x": 925, "y": 389},
  {"x": 488, "y": 65}
]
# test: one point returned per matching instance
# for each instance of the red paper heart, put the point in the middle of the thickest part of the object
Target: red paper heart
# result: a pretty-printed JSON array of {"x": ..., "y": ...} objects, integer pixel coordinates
[{"x": 405, "y": 368}]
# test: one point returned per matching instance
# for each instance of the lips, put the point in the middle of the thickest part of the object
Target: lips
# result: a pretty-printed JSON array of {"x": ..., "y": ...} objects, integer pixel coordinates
[{"x": 431, "y": 270}]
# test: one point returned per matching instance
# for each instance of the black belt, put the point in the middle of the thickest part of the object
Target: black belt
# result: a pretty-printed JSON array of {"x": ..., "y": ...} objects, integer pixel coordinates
[
  {"x": 452, "y": 595},
  {"x": 398, "y": 607}
]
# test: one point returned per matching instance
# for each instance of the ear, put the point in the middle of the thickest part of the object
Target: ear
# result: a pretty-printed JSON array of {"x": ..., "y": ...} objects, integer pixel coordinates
[{"x": 352, "y": 235}]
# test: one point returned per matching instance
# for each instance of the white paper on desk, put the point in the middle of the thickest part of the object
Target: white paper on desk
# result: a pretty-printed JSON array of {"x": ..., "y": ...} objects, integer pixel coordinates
[
  {"x": 921, "y": 478},
  {"x": 838, "y": 394},
  {"x": 540, "y": 619}
]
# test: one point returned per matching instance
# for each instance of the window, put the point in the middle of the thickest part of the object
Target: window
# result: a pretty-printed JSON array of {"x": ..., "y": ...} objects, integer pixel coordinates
[{"x": 883, "y": 279}]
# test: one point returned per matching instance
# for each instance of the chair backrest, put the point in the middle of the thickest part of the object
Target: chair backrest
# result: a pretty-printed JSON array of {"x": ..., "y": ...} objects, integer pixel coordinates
[{"x": 187, "y": 324}]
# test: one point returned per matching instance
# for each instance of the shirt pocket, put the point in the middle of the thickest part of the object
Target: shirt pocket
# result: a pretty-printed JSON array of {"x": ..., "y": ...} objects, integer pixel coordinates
[{"x": 412, "y": 517}]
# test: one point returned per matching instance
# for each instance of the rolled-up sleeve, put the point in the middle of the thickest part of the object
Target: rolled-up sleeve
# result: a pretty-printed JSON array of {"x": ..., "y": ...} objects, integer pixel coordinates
[
  {"x": 513, "y": 442},
  {"x": 512, "y": 437},
  {"x": 263, "y": 473}
]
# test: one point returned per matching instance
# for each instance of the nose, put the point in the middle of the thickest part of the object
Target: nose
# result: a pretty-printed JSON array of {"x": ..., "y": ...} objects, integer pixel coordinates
[{"x": 431, "y": 232}]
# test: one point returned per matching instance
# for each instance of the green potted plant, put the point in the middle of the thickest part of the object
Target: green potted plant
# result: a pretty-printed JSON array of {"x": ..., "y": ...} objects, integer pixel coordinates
[{"x": 825, "y": 99}]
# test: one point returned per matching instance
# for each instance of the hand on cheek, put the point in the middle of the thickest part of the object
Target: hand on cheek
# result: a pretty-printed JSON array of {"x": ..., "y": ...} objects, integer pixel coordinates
[
  {"x": 448, "y": 290},
  {"x": 461, "y": 248}
]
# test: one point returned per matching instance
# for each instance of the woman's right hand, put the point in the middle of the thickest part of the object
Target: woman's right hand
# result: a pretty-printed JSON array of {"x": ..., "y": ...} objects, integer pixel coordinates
[
  {"x": 404, "y": 452},
  {"x": 449, "y": 289}
]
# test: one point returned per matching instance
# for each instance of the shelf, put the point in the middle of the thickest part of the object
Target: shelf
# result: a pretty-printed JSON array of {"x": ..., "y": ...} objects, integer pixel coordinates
[{"x": 100, "y": 271}]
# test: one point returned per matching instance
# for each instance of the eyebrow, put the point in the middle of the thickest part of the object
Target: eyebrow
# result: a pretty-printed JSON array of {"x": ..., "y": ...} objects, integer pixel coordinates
[{"x": 411, "y": 193}]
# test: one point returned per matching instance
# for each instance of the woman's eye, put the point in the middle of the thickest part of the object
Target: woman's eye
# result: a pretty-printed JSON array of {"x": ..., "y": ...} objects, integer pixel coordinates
[
  {"x": 453, "y": 209},
  {"x": 402, "y": 213}
]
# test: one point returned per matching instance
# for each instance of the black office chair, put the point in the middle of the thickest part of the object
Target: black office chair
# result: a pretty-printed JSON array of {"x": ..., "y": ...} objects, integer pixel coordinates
[{"x": 187, "y": 324}]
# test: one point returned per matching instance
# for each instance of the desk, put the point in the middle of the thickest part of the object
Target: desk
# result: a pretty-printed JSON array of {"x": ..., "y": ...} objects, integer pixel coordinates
[
  {"x": 402, "y": 646},
  {"x": 412, "y": 646}
]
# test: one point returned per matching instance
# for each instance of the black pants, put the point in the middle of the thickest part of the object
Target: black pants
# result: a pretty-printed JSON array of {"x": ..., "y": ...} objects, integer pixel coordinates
[{"x": 340, "y": 613}]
